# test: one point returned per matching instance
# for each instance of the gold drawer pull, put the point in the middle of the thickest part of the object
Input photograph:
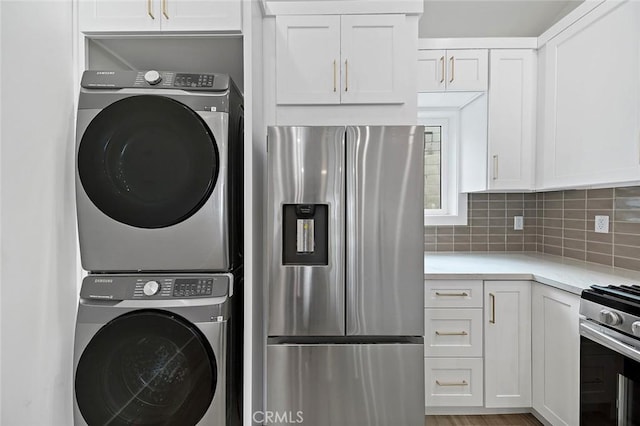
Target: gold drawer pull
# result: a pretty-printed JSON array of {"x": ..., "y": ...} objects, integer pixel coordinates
[
  {"x": 164, "y": 9},
  {"x": 463, "y": 294},
  {"x": 463, "y": 383},
  {"x": 451, "y": 333}
]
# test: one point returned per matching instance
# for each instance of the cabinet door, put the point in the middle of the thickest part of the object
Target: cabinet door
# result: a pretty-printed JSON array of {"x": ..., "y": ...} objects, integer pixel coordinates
[
  {"x": 467, "y": 70},
  {"x": 556, "y": 354},
  {"x": 507, "y": 344},
  {"x": 308, "y": 59},
  {"x": 592, "y": 99},
  {"x": 201, "y": 15},
  {"x": 512, "y": 119},
  {"x": 119, "y": 15},
  {"x": 373, "y": 49},
  {"x": 431, "y": 70}
]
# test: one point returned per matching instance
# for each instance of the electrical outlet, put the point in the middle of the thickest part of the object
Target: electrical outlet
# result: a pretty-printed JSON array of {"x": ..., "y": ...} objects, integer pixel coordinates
[
  {"x": 602, "y": 224},
  {"x": 518, "y": 223}
]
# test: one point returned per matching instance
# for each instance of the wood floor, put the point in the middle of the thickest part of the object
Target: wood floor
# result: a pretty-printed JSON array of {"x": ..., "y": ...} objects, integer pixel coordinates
[{"x": 492, "y": 420}]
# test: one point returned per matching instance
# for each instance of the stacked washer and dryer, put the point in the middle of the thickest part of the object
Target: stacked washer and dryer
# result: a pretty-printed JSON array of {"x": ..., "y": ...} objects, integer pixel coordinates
[{"x": 159, "y": 206}]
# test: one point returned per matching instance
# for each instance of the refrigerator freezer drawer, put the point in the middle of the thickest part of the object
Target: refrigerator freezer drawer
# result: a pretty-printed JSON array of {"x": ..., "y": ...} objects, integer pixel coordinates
[{"x": 347, "y": 384}]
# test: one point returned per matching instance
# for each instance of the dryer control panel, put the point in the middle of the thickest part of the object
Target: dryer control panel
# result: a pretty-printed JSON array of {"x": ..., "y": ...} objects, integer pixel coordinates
[{"x": 154, "y": 287}]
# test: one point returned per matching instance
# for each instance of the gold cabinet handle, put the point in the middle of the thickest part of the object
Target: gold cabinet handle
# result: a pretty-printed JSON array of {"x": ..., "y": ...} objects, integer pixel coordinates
[
  {"x": 492, "y": 298},
  {"x": 334, "y": 75},
  {"x": 452, "y": 62},
  {"x": 462, "y": 383},
  {"x": 164, "y": 9},
  {"x": 346, "y": 76},
  {"x": 495, "y": 167},
  {"x": 463, "y": 294},
  {"x": 441, "y": 69},
  {"x": 150, "y": 9},
  {"x": 451, "y": 333}
]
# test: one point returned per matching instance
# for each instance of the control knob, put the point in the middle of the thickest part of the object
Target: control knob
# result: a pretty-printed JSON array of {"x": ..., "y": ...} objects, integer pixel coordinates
[
  {"x": 152, "y": 77},
  {"x": 635, "y": 328},
  {"x": 610, "y": 318},
  {"x": 151, "y": 288}
]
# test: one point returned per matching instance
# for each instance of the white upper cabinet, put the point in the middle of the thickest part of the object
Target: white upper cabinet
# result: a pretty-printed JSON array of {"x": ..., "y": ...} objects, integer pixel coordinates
[
  {"x": 512, "y": 97},
  {"x": 159, "y": 15},
  {"x": 592, "y": 100},
  {"x": 452, "y": 70},
  {"x": 349, "y": 59},
  {"x": 308, "y": 59}
]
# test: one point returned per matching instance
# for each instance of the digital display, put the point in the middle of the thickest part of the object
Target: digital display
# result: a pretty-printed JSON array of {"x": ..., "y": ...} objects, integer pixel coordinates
[
  {"x": 185, "y": 287},
  {"x": 193, "y": 80}
]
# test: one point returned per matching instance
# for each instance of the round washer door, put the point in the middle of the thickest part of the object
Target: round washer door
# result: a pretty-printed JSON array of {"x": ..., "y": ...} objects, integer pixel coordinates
[
  {"x": 146, "y": 367},
  {"x": 148, "y": 161}
]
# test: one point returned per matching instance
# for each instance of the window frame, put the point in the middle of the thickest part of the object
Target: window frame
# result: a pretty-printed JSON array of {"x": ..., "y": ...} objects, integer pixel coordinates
[{"x": 453, "y": 209}]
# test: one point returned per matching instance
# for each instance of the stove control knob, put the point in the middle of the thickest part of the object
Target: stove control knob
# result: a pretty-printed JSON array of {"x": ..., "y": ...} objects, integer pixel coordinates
[
  {"x": 635, "y": 328},
  {"x": 151, "y": 288},
  {"x": 610, "y": 318},
  {"x": 152, "y": 77}
]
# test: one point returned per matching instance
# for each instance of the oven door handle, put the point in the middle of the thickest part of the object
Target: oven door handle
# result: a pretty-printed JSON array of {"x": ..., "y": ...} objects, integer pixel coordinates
[{"x": 608, "y": 341}]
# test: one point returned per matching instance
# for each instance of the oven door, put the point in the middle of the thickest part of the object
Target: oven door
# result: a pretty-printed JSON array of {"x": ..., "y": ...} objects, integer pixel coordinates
[{"x": 609, "y": 377}]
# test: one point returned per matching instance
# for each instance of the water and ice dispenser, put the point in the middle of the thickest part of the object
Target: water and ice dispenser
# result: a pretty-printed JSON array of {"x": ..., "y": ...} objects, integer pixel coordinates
[{"x": 305, "y": 234}]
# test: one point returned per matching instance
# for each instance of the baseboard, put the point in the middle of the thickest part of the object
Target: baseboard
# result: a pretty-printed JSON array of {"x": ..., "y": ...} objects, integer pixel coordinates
[
  {"x": 458, "y": 411},
  {"x": 541, "y": 419}
]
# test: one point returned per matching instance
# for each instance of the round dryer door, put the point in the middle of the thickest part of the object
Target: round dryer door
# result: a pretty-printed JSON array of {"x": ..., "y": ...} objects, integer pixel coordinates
[
  {"x": 146, "y": 367},
  {"x": 148, "y": 161}
]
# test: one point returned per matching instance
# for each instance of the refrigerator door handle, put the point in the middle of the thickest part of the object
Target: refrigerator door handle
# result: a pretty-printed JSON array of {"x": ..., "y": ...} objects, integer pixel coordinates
[{"x": 352, "y": 138}]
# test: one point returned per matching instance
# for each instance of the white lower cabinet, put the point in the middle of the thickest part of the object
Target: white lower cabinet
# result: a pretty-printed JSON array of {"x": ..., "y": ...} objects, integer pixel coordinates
[
  {"x": 518, "y": 347},
  {"x": 507, "y": 334},
  {"x": 556, "y": 355},
  {"x": 453, "y": 343},
  {"x": 453, "y": 382}
]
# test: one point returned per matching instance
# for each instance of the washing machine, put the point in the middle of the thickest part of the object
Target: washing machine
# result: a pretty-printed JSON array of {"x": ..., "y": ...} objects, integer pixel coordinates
[
  {"x": 157, "y": 350},
  {"x": 159, "y": 171}
]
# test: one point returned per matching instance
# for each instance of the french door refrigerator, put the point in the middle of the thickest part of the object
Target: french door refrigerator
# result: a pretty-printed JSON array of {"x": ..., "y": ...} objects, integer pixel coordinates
[{"x": 345, "y": 281}]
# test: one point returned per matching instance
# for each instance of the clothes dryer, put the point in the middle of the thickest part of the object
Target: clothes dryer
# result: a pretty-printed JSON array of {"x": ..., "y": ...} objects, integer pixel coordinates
[
  {"x": 158, "y": 350},
  {"x": 159, "y": 171}
]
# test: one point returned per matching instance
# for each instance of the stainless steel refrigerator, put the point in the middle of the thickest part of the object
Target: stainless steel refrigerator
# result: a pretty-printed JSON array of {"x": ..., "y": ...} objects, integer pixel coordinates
[{"x": 346, "y": 288}]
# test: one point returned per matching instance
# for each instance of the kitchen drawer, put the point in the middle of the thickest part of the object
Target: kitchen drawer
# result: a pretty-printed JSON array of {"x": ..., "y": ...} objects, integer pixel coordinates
[
  {"x": 453, "y": 382},
  {"x": 453, "y": 294},
  {"x": 453, "y": 332}
]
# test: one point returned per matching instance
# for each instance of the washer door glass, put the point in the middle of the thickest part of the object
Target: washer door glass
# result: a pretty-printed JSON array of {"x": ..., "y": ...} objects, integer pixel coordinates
[
  {"x": 147, "y": 367},
  {"x": 148, "y": 161}
]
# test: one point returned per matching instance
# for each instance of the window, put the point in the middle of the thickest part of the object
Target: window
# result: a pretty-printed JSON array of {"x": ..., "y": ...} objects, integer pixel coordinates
[
  {"x": 443, "y": 204},
  {"x": 433, "y": 168}
]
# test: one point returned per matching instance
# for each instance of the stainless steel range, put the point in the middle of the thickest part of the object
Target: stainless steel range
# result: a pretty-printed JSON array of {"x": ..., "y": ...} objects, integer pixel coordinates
[{"x": 610, "y": 356}]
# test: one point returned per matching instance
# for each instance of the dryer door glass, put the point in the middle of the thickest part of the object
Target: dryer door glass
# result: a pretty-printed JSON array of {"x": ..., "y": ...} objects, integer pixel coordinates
[
  {"x": 148, "y": 161},
  {"x": 147, "y": 367}
]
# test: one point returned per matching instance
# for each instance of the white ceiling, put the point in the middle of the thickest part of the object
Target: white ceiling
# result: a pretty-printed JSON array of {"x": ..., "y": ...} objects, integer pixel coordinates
[{"x": 491, "y": 18}]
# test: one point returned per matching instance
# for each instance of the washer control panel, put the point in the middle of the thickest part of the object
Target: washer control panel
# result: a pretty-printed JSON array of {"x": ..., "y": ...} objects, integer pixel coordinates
[{"x": 156, "y": 287}]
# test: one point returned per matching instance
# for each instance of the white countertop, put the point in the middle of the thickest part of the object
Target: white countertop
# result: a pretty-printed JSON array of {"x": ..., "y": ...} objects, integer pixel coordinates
[{"x": 563, "y": 273}]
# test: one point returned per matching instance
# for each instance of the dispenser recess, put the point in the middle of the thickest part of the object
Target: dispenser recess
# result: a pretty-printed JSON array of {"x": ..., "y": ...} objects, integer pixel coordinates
[{"x": 305, "y": 237}]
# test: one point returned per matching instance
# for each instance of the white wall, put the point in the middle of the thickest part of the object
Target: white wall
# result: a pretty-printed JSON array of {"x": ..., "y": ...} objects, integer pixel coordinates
[{"x": 38, "y": 274}]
